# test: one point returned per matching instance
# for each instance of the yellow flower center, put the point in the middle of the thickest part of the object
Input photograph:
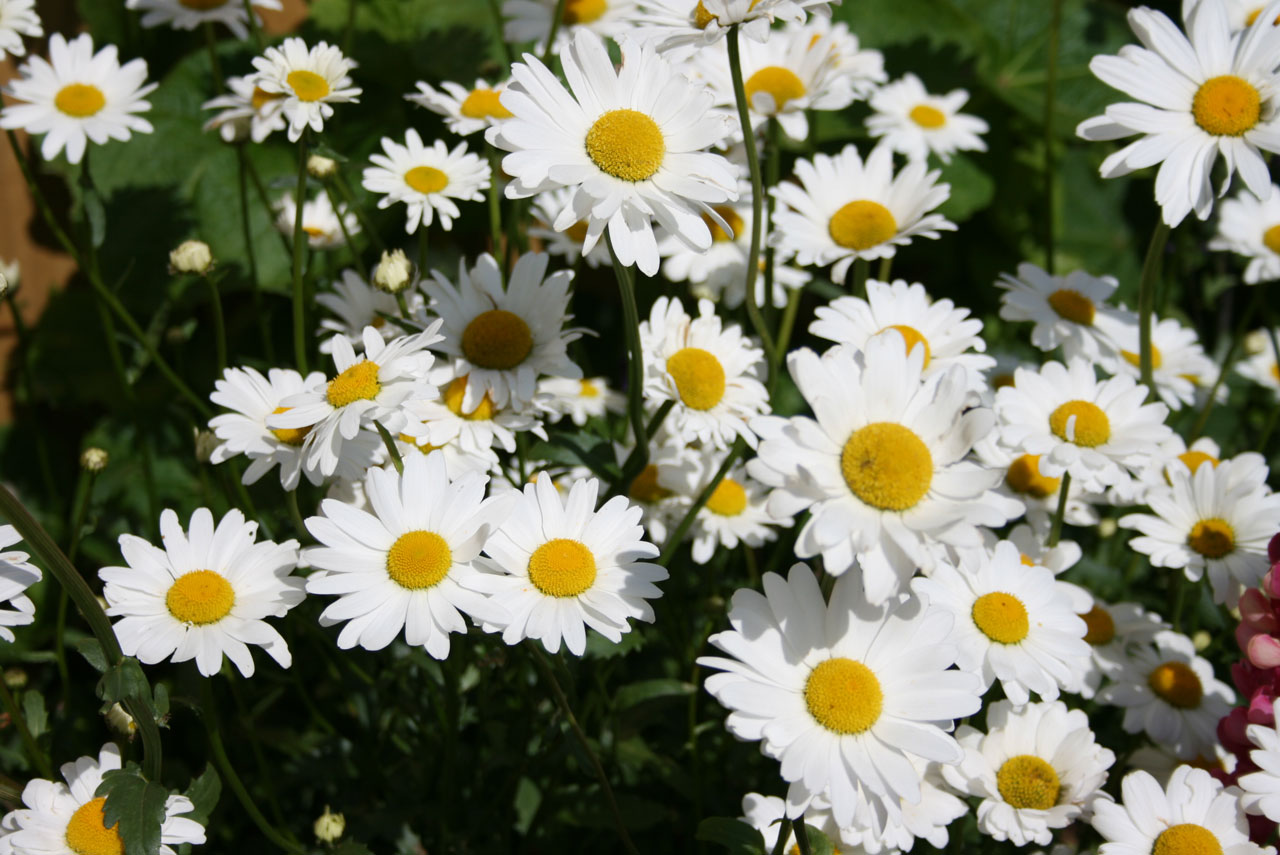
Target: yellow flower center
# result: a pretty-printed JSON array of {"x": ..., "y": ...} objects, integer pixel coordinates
[
  {"x": 1212, "y": 538},
  {"x": 1082, "y": 423},
  {"x": 357, "y": 383},
  {"x": 1001, "y": 381},
  {"x": 626, "y": 144},
  {"x": 730, "y": 217},
  {"x": 912, "y": 337},
  {"x": 1135, "y": 359},
  {"x": 645, "y": 487},
  {"x": 1099, "y": 627},
  {"x": 200, "y": 597},
  {"x": 702, "y": 18},
  {"x": 87, "y": 833},
  {"x": 780, "y": 83},
  {"x": 1176, "y": 684},
  {"x": 497, "y": 339},
  {"x": 862, "y": 224},
  {"x": 1024, "y": 477},
  {"x": 577, "y": 232},
  {"x": 1001, "y": 617},
  {"x": 308, "y": 85},
  {"x": 1186, "y": 838},
  {"x": 699, "y": 377},
  {"x": 729, "y": 499},
  {"x": 1194, "y": 459},
  {"x": 484, "y": 104},
  {"x": 1253, "y": 16},
  {"x": 562, "y": 568},
  {"x": 416, "y": 444},
  {"x": 887, "y": 466},
  {"x": 1226, "y": 106},
  {"x": 419, "y": 559},
  {"x": 1275, "y": 371},
  {"x": 1073, "y": 306},
  {"x": 1026, "y": 782},
  {"x": 80, "y": 100},
  {"x": 843, "y": 696},
  {"x": 314, "y": 231},
  {"x": 927, "y": 117},
  {"x": 583, "y": 11},
  {"x": 454, "y": 395},
  {"x": 426, "y": 179},
  {"x": 290, "y": 436},
  {"x": 588, "y": 390},
  {"x": 1271, "y": 238},
  {"x": 1027, "y": 560},
  {"x": 262, "y": 98}
]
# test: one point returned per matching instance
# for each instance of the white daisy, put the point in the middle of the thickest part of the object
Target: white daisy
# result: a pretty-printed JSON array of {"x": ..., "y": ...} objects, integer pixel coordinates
[
  {"x": 876, "y": 831},
  {"x": 916, "y": 123},
  {"x": 680, "y": 23},
  {"x": 1038, "y": 493},
  {"x": 311, "y": 80},
  {"x": 204, "y": 595},
  {"x": 1203, "y": 94},
  {"x": 458, "y": 460},
  {"x": 1113, "y": 630},
  {"x": 319, "y": 221},
  {"x": 1034, "y": 551},
  {"x": 844, "y": 209},
  {"x": 1071, "y": 311},
  {"x": 17, "y": 573},
  {"x": 735, "y": 513},
  {"x": 77, "y": 96},
  {"x": 530, "y": 20},
  {"x": 568, "y": 243},
  {"x": 1161, "y": 764},
  {"x": 356, "y": 304},
  {"x": 840, "y": 693},
  {"x": 628, "y": 141},
  {"x": 1177, "y": 360},
  {"x": 1036, "y": 768},
  {"x": 765, "y": 813},
  {"x": 189, "y": 14},
  {"x": 1250, "y": 226},
  {"x": 426, "y": 179},
  {"x": 465, "y": 110},
  {"x": 246, "y": 112},
  {"x": 18, "y": 18},
  {"x": 656, "y": 489},
  {"x": 1240, "y": 13},
  {"x": 476, "y": 430},
  {"x": 558, "y": 565},
  {"x": 67, "y": 819},
  {"x": 1248, "y": 470},
  {"x": 581, "y": 400},
  {"x": 1262, "y": 788},
  {"x": 863, "y": 67},
  {"x": 1261, "y": 367}
]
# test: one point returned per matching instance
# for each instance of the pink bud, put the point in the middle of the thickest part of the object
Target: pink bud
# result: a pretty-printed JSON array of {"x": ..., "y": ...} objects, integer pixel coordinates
[{"x": 1264, "y": 651}]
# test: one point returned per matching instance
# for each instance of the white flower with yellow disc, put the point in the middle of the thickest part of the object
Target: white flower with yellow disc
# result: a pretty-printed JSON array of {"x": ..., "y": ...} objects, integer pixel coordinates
[
  {"x": 1262, "y": 788},
  {"x": 916, "y": 123},
  {"x": 476, "y": 430},
  {"x": 1262, "y": 366},
  {"x": 685, "y": 23},
  {"x": 324, "y": 227},
  {"x": 734, "y": 514},
  {"x": 863, "y": 67},
  {"x": 413, "y": 440},
  {"x": 465, "y": 110},
  {"x": 355, "y": 304},
  {"x": 1248, "y": 470},
  {"x": 1250, "y": 226},
  {"x": 246, "y": 111},
  {"x": 311, "y": 81},
  {"x": 190, "y": 14},
  {"x": 426, "y": 179},
  {"x": 18, "y": 18},
  {"x": 17, "y": 573},
  {"x": 567, "y": 243},
  {"x": 1038, "y": 493},
  {"x": 1114, "y": 630},
  {"x": 1071, "y": 311},
  {"x": 530, "y": 20},
  {"x": 580, "y": 400},
  {"x": 1178, "y": 361}
]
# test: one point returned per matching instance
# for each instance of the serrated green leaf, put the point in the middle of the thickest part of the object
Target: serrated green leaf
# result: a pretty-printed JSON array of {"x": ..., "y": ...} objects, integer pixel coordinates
[
  {"x": 136, "y": 807},
  {"x": 733, "y": 834},
  {"x": 204, "y": 793},
  {"x": 34, "y": 710}
]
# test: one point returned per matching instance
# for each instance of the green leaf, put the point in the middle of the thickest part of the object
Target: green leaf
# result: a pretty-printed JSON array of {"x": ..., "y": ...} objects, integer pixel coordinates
[
  {"x": 136, "y": 807},
  {"x": 161, "y": 701},
  {"x": 125, "y": 680},
  {"x": 91, "y": 650},
  {"x": 646, "y": 690},
  {"x": 33, "y": 709},
  {"x": 204, "y": 792},
  {"x": 733, "y": 834},
  {"x": 819, "y": 843},
  {"x": 527, "y": 801},
  {"x": 971, "y": 189}
]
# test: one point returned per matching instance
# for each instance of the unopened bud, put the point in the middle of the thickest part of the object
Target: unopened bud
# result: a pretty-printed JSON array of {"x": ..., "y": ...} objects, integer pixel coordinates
[
  {"x": 15, "y": 677},
  {"x": 329, "y": 826},
  {"x": 94, "y": 459},
  {"x": 1106, "y": 527},
  {"x": 321, "y": 167},
  {"x": 192, "y": 256},
  {"x": 393, "y": 273},
  {"x": 1201, "y": 640},
  {"x": 206, "y": 442},
  {"x": 5, "y": 285},
  {"x": 120, "y": 721},
  {"x": 10, "y": 273}
]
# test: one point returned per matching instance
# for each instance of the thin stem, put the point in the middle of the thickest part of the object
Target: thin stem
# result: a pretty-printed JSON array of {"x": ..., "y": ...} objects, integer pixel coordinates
[
  {"x": 255, "y": 287},
  {"x": 38, "y": 758},
  {"x": 784, "y": 334},
  {"x": 1055, "y": 531},
  {"x": 403, "y": 305},
  {"x": 254, "y": 29},
  {"x": 676, "y": 536},
  {"x": 802, "y": 835},
  {"x": 886, "y": 265},
  {"x": 219, "y": 322},
  {"x": 1228, "y": 360},
  {"x": 291, "y": 499},
  {"x": 211, "y": 41},
  {"x": 390, "y": 443},
  {"x": 261, "y": 190},
  {"x": 1147, "y": 300},
  {"x": 556, "y": 20},
  {"x": 635, "y": 358},
  {"x": 656, "y": 420},
  {"x": 299, "y": 257},
  {"x": 356, "y": 260},
  {"x": 496, "y": 11},
  {"x": 784, "y": 832},
  {"x": 495, "y": 200},
  {"x": 772, "y": 166},
  {"x": 856, "y": 278},
  {"x": 1050, "y": 89},
  {"x": 367, "y": 227}
]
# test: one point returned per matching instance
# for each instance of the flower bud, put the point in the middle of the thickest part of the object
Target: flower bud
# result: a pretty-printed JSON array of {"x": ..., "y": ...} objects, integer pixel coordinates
[
  {"x": 120, "y": 721},
  {"x": 321, "y": 167},
  {"x": 393, "y": 273},
  {"x": 1106, "y": 527},
  {"x": 94, "y": 459},
  {"x": 192, "y": 256},
  {"x": 206, "y": 442},
  {"x": 10, "y": 273},
  {"x": 15, "y": 677},
  {"x": 329, "y": 826}
]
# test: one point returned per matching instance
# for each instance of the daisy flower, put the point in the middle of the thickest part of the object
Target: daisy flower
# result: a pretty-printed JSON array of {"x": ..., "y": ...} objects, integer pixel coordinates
[
  {"x": 1069, "y": 311},
  {"x": 204, "y": 595},
  {"x": 530, "y": 20},
  {"x": 1240, "y": 13},
  {"x": 1036, "y": 492},
  {"x": 875, "y": 830},
  {"x": 580, "y": 400},
  {"x": 458, "y": 460},
  {"x": 1250, "y": 226},
  {"x": 1113, "y": 630},
  {"x": 656, "y": 489},
  {"x": 1262, "y": 788},
  {"x": 1168, "y": 691},
  {"x": 679, "y": 23},
  {"x": 187, "y": 15},
  {"x": 67, "y": 819},
  {"x": 17, "y": 573},
  {"x": 476, "y": 430},
  {"x": 629, "y": 142},
  {"x": 917, "y": 123},
  {"x": 821, "y": 224},
  {"x": 765, "y": 813},
  {"x": 355, "y": 304},
  {"x": 320, "y": 221},
  {"x": 558, "y": 565},
  {"x": 735, "y": 513},
  {"x": 842, "y": 694},
  {"x": 465, "y": 110},
  {"x": 426, "y": 179},
  {"x": 311, "y": 81},
  {"x": 18, "y": 18},
  {"x": 568, "y": 243},
  {"x": 246, "y": 111},
  {"x": 1199, "y": 95},
  {"x": 709, "y": 371},
  {"x": 77, "y": 96},
  {"x": 1261, "y": 367},
  {"x": 862, "y": 67},
  {"x": 1034, "y": 550},
  {"x": 882, "y": 471},
  {"x": 1036, "y": 768},
  {"x": 1247, "y": 472},
  {"x": 1177, "y": 360}
]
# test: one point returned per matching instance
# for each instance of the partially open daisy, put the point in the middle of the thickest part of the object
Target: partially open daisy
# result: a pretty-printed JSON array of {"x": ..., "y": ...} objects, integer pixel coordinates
[
  {"x": 559, "y": 565},
  {"x": 629, "y": 141},
  {"x": 205, "y": 595},
  {"x": 465, "y": 110},
  {"x": 355, "y": 304},
  {"x": 18, "y": 18},
  {"x": 858, "y": 689},
  {"x": 1262, "y": 366},
  {"x": 690, "y": 23},
  {"x": 1071, "y": 311},
  {"x": 844, "y": 209},
  {"x": 17, "y": 574},
  {"x": 426, "y": 179},
  {"x": 567, "y": 243},
  {"x": 1200, "y": 94},
  {"x": 324, "y": 227},
  {"x": 311, "y": 80},
  {"x": 77, "y": 96},
  {"x": 67, "y": 819},
  {"x": 917, "y": 123},
  {"x": 1178, "y": 361},
  {"x": 189, "y": 14},
  {"x": 580, "y": 400},
  {"x": 1038, "y": 493},
  {"x": 709, "y": 371},
  {"x": 1250, "y": 226},
  {"x": 475, "y": 429},
  {"x": 734, "y": 514},
  {"x": 246, "y": 112},
  {"x": 862, "y": 67},
  {"x": 530, "y": 20}
]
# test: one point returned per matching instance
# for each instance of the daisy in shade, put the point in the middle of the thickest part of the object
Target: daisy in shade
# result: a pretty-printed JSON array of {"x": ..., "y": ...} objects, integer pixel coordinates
[
  {"x": 1114, "y": 629},
  {"x": 710, "y": 372},
  {"x": 875, "y": 830},
  {"x": 679, "y": 23},
  {"x": 1177, "y": 360},
  {"x": 1262, "y": 788},
  {"x": 1262, "y": 367},
  {"x": 735, "y": 513},
  {"x": 246, "y": 112},
  {"x": 203, "y": 596},
  {"x": 569, "y": 242},
  {"x": 18, "y": 18},
  {"x": 842, "y": 694},
  {"x": 1069, "y": 311},
  {"x": 78, "y": 96},
  {"x": 1168, "y": 691},
  {"x": 580, "y": 400},
  {"x": 863, "y": 67},
  {"x": 1199, "y": 95},
  {"x": 765, "y": 814},
  {"x": 882, "y": 471},
  {"x": 917, "y": 123},
  {"x": 426, "y": 179},
  {"x": 355, "y": 304},
  {"x": 189, "y": 14},
  {"x": 655, "y": 489},
  {"x": 844, "y": 209},
  {"x": 17, "y": 574},
  {"x": 67, "y": 819},
  {"x": 412, "y": 441},
  {"x": 629, "y": 142},
  {"x": 1247, "y": 472},
  {"x": 324, "y": 227},
  {"x": 465, "y": 110},
  {"x": 530, "y": 20},
  {"x": 311, "y": 80},
  {"x": 559, "y": 565},
  {"x": 1250, "y": 226},
  {"x": 476, "y": 430},
  {"x": 1012, "y": 623}
]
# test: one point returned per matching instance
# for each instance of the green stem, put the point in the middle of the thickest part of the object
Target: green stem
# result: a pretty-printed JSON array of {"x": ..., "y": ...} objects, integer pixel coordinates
[
  {"x": 291, "y": 499},
  {"x": 1147, "y": 300},
  {"x": 635, "y": 360},
  {"x": 367, "y": 227},
  {"x": 254, "y": 29},
  {"x": 856, "y": 278},
  {"x": 784, "y": 335},
  {"x": 219, "y": 322},
  {"x": 772, "y": 167},
  {"x": 261, "y": 190},
  {"x": 676, "y": 536},
  {"x": 211, "y": 41},
  {"x": 802, "y": 835},
  {"x": 1055, "y": 531},
  {"x": 495, "y": 200},
  {"x": 784, "y": 832},
  {"x": 255, "y": 287},
  {"x": 496, "y": 11},
  {"x": 886, "y": 265},
  {"x": 38, "y": 758},
  {"x": 556, "y": 19},
  {"x": 299, "y": 258},
  {"x": 356, "y": 260},
  {"x": 1050, "y": 88},
  {"x": 390, "y": 443},
  {"x": 1228, "y": 360}
]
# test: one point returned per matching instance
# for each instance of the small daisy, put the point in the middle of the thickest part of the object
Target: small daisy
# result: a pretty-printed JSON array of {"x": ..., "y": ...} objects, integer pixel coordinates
[
  {"x": 558, "y": 565},
  {"x": 1261, "y": 367},
  {"x": 568, "y": 243},
  {"x": 1262, "y": 788},
  {"x": 1161, "y": 764},
  {"x": 1240, "y": 13},
  {"x": 1247, "y": 472},
  {"x": 1250, "y": 226},
  {"x": 916, "y": 123},
  {"x": 863, "y": 67},
  {"x": 67, "y": 819},
  {"x": 656, "y": 489},
  {"x": 18, "y": 18},
  {"x": 465, "y": 110},
  {"x": 412, "y": 439},
  {"x": 204, "y": 595},
  {"x": 319, "y": 221},
  {"x": 765, "y": 813},
  {"x": 580, "y": 400},
  {"x": 1036, "y": 768},
  {"x": 735, "y": 513},
  {"x": 821, "y": 224},
  {"x": 1070, "y": 311},
  {"x": 1113, "y": 630},
  {"x": 530, "y": 20},
  {"x": 426, "y": 179},
  {"x": 246, "y": 112},
  {"x": 840, "y": 693},
  {"x": 1038, "y": 493},
  {"x": 876, "y": 831},
  {"x": 17, "y": 574},
  {"x": 630, "y": 144},
  {"x": 77, "y": 96},
  {"x": 476, "y": 430},
  {"x": 356, "y": 304},
  {"x": 1177, "y": 360},
  {"x": 311, "y": 80},
  {"x": 190, "y": 14},
  {"x": 680, "y": 23}
]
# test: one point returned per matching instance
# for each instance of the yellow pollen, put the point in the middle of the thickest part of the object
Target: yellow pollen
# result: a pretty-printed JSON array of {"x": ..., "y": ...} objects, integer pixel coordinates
[
  {"x": 314, "y": 231},
  {"x": 780, "y": 83},
  {"x": 1186, "y": 838},
  {"x": 80, "y": 100},
  {"x": 202, "y": 5},
  {"x": 453, "y": 397},
  {"x": 862, "y": 224},
  {"x": 1001, "y": 381},
  {"x": 1026, "y": 782},
  {"x": 357, "y": 383},
  {"x": 497, "y": 340},
  {"x": 927, "y": 117},
  {"x": 1027, "y": 560},
  {"x": 419, "y": 559},
  {"x": 577, "y": 232},
  {"x": 1226, "y": 106},
  {"x": 200, "y": 597},
  {"x": 1275, "y": 371},
  {"x": 731, "y": 217},
  {"x": 1090, "y": 427},
  {"x": 1099, "y": 627},
  {"x": 699, "y": 377},
  {"x": 87, "y": 833},
  {"x": 1176, "y": 684},
  {"x": 1135, "y": 359},
  {"x": 1253, "y": 16},
  {"x": 1271, "y": 238},
  {"x": 261, "y": 98},
  {"x": 729, "y": 499},
  {"x": 1194, "y": 459},
  {"x": 1024, "y": 477},
  {"x": 426, "y": 179},
  {"x": 645, "y": 488},
  {"x": 912, "y": 337},
  {"x": 702, "y": 18},
  {"x": 1071, "y": 305},
  {"x": 484, "y": 104},
  {"x": 626, "y": 144},
  {"x": 588, "y": 390},
  {"x": 1001, "y": 617},
  {"x": 843, "y": 696},
  {"x": 583, "y": 11},
  {"x": 307, "y": 85},
  {"x": 1212, "y": 538},
  {"x": 887, "y": 466},
  {"x": 290, "y": 436},
  {"x": 562, "y": 568}
]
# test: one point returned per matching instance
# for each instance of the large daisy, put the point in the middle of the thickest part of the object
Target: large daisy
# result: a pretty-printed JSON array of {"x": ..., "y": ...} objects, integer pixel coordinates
[
  {"x": 18, "y": 18},
  {"x": 426, "y": 179},
  {"x": 1250, "y": 226},
  {"x": 310, "y": 80},
  {"x": 917, "y": 123},
  {"x": 17, "y": 574}
]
